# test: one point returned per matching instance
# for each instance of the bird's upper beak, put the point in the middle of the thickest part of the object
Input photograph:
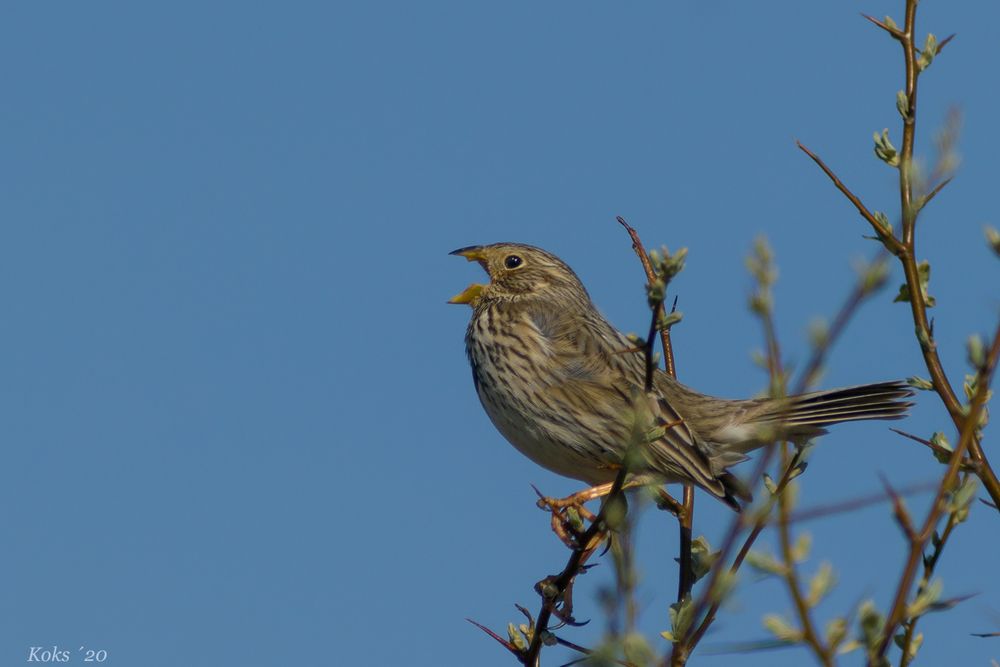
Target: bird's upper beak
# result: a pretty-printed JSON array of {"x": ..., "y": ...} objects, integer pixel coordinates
[
  {"x": 471, "y": 293},
  {"x": 473, "y": 253}
]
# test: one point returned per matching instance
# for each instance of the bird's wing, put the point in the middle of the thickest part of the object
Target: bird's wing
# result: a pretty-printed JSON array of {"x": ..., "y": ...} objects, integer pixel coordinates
[{"x": 600, "y": 371}]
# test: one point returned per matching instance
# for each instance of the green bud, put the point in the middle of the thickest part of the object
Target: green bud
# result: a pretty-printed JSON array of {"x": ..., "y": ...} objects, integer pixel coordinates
[
  {"x": 681, "y": 616},
  {"x": 927, "y": 53},
  {"x": 977, "y": 352},
  {"x": 637, "y": 650},
  {"x": 902, "y": 104},
  {"x": 516, "y": 638},
  {"x": 781, "y": 629},
  {"x": 800, "y": 551},
  {"x": 668, "y": 320},
  {"x": 884, "y": 148},
  {"x": 765, "y": 563},
  {"x": 819, "y": 332},
  {"x": 924, "y": 276},
  {"x": 920, "y": 383},
  {"x": 943, "y": 454},
  {"x": 993, "y": 238},
  {"x": 911, "y": 650},
  {"x": 871, "y": 622},
  {"x": 702, "y": 557},
  {"x": 836, "y": 630},
  {"x": 821, "y": 584},
  {"x": 922, "y": 604}
]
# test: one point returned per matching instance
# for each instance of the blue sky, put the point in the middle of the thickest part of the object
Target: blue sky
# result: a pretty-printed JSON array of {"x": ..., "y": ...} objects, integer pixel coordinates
[{"x": 240, "y": 427}]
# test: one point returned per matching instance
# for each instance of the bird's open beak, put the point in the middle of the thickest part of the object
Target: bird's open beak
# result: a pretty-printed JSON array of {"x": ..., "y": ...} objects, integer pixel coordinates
[{"x": 473, "y": 291}]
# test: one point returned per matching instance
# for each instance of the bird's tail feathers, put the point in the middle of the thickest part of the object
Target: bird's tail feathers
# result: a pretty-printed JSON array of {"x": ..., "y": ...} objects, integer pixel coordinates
[{"x": 807, "y": 415}]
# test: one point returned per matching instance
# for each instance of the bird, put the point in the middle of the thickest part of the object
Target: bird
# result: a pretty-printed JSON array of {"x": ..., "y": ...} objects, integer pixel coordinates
[{"x": 564, "y": 386}]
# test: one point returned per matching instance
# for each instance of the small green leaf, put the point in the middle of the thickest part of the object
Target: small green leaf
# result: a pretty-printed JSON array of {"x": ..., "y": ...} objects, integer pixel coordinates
[
  {"x": 655, "y": 292},
  {"x": 977, "y": 352},
  {"x": 836, "y": 630},
  {"x": 821, "y": 584},
  {"x": 516, "y": 638},
  {"x": 681, "y": 615},
  {"x": 819, "y": 332},
  {"x": 724, "y": 585},
  {"x": 943, "y": 453},
  {"x": 924, "y": 273},
  {"x": 941, "y": 440},
  {"x": 668, "y": 320},
  {"x": 781, "y": 628},
  {"x": 911, "y": 650},
  {"x": 800, "y": 551},
  {"x": 871, "y": 622},
  {"x": 702, "y": 557},
  {"x": 884, "y": 148},
  {"x": 927, "y": 53},
  {"x": 920, "y": 383},
  {"x": 925, "y": 599},
  {"x": 637, "y": 650},
  {"x": 769, "y": 484},
  {"x": 765, "y": 563},
  {"x": 902, "y": 104},
  {"x": 962, "y": 498},
  {"x": 889, "y": 22},
  {"x": 993, "y": 238}
]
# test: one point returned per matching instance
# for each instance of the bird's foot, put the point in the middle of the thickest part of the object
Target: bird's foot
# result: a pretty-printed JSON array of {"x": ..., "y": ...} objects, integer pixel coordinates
[{"x": 569, "y": 514}]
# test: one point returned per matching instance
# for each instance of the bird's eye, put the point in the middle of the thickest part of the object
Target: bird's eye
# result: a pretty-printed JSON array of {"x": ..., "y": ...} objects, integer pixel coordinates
[{"x": 513, "y": 261}]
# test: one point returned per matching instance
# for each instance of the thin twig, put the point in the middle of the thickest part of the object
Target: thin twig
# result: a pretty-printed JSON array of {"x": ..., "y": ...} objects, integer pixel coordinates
[{"x": 891, "y": 242}]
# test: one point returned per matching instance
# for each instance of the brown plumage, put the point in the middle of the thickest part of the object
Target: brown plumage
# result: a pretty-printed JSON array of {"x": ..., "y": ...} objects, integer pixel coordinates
[{"x": 562, "y": 385}]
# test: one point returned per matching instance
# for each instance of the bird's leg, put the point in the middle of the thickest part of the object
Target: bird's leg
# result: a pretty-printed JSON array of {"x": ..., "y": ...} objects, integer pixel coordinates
[{"x": 569, "y": 514}]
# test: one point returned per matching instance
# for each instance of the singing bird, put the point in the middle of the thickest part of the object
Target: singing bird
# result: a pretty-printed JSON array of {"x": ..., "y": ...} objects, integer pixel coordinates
[{"x": 561, "y": 383}]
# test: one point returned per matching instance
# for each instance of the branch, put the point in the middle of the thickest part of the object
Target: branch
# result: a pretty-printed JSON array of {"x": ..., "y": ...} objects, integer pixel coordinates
[
  {"x": 552, "y": 589},
  {"x": 685, "y": 518},
  {"x": 683, "y": 648},
  {"x": 968, "y": 430}
]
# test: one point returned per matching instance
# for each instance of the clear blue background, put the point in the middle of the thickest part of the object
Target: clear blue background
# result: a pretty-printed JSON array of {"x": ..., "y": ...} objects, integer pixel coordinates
[{"x": 239, "y": 427}]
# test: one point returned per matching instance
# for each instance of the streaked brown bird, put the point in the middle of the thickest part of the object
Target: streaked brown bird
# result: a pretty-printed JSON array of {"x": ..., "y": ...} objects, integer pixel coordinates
[{"x": 560, "y": 383}]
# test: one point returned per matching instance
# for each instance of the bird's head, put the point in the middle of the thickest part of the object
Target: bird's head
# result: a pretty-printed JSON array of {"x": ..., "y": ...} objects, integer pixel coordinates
[{"x": 517, "y": 271}]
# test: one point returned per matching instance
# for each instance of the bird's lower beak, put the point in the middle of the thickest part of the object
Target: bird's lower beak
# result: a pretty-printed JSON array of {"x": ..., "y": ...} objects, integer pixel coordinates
[{"x": 469, "y": 295}]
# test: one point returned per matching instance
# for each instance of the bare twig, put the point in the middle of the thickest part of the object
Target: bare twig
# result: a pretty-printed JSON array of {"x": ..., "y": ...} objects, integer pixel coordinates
[{"x": 884, "y": 233}]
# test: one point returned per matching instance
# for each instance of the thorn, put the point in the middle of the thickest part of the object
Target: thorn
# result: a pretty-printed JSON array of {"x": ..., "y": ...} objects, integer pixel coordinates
[{"x": 503, "y": 642}]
